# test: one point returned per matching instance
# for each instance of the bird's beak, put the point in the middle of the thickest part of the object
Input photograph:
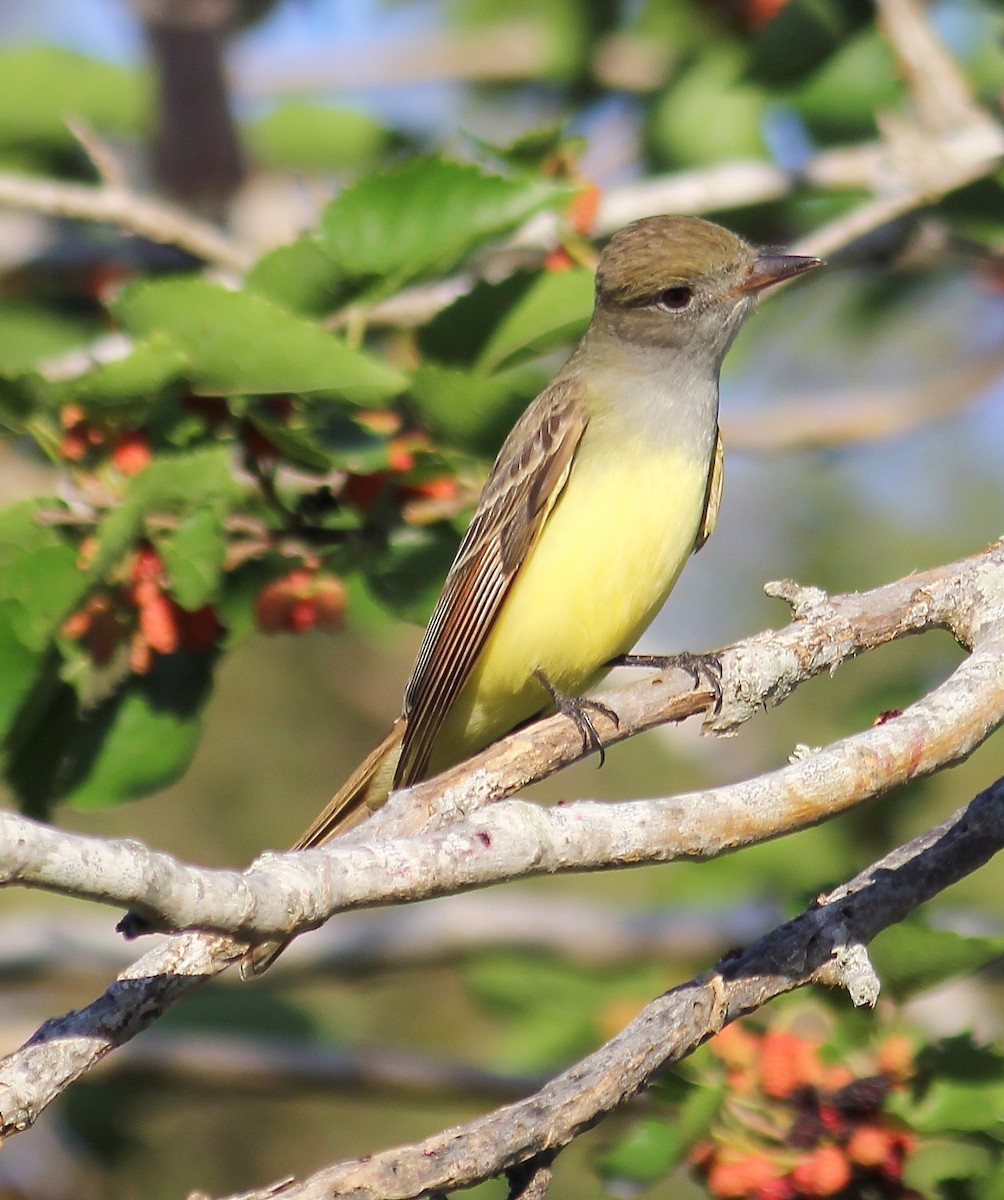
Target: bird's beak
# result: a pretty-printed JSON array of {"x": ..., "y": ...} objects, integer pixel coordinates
[{"x": 768, "y": 269}]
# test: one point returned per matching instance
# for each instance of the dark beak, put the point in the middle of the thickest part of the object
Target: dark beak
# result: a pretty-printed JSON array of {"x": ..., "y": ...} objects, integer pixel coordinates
[{"x": 768, "y": 269}]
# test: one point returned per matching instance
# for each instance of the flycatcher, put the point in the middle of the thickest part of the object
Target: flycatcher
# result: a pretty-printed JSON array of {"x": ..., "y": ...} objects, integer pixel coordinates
[{"x": 609, "y": 481}]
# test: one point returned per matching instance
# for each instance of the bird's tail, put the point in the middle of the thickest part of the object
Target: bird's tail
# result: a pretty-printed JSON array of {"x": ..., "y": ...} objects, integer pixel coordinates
[{"x": 365, "y": 790}]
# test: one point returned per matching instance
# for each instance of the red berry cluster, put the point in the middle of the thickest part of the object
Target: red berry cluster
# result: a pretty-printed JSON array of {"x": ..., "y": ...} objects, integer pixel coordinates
[
  {"x": 138, "y": 612},
  {"x": 85, "y": 441},
  {"x": 795, "y": 1126},
  {"x": 301, "y": 600}
]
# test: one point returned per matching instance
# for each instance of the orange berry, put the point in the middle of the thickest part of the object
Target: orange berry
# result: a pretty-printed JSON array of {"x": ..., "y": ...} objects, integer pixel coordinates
[
  {"x": 731, "y": 1176},
  {"x": 583, "y": 208},
  {"x": 558, "y": 260},
  {"x": 140, "y": 655},
  {"x": 787, "y": 1062},
  {"x": 835, "y": 1076},
  {"x": 824, "y": 1172},
  {"x": 778, "y": 1188},
  {"x": 132, "y": 452},
  {"x": 76, "y": 624},
  {"x": 329, "y": 597},
  {"x": 702, "y": 1152},
  {"x": 70, "y": 415},
  {"x": 895, "y": 1058},
  {"x": 270, "y": 607},
  {"x": 869, "y": 1145},
  {"x": 301, "y": 615},
  {"x": 158, "y": 624},
  {"x": 759, "y": 12},
  {"x": 73, "y": 446}
]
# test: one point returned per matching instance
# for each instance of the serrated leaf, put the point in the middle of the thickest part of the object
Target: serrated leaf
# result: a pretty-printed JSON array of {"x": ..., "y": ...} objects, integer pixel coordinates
[
  {"x": 555, "y": 310},
  {"x": 424, "y": 217},
  {"x": 193, "y": 557},
  {"x": 911, "y": 957},
  {"x": 239, "y": 342}
]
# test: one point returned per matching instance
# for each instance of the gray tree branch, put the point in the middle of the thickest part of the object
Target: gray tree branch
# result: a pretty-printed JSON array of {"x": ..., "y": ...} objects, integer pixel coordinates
[
  {"x": 966, "y": 597},
  {"x": 825, "y": 945}
]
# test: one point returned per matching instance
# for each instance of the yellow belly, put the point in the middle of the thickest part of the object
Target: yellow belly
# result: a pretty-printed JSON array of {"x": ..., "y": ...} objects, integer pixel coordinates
[{"x": 602, "y": 566}]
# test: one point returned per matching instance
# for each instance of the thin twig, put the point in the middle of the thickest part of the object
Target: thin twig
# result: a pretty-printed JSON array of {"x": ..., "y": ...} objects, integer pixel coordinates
[{"x": 142, "y": 215}]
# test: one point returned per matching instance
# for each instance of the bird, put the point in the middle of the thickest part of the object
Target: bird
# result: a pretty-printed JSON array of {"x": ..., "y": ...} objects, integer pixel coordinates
[{"x": 605, "y": 486}]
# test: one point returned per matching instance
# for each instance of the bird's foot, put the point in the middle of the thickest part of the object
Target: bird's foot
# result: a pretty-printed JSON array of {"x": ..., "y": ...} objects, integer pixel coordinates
[
  {"x": 577, "y": 709},
  {"x": 706, "y": 668}
]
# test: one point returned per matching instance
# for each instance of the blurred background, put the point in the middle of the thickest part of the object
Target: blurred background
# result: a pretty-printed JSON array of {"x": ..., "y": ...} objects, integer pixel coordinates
[{"x": 254, "y": 114}]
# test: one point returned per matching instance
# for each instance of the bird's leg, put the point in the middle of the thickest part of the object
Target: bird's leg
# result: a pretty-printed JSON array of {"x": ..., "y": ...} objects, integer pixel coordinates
[
  {"x": 577, "y": 708},
  {"x": 700, "y": 667}
]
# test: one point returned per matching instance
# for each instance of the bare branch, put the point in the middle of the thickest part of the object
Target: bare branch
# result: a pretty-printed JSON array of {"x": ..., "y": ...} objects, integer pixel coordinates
[
  {"x": 141, "y": 215},
  {"x": 281, "y": 894},
  {"x": 967, "y": 597},
  {"x": 823, "y": 945}
]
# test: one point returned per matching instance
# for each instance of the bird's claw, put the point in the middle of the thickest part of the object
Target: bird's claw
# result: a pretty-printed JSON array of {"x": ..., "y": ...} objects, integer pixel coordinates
[
  {"x": 577, "y": 709},
  {"x": 706, "y": 668}
]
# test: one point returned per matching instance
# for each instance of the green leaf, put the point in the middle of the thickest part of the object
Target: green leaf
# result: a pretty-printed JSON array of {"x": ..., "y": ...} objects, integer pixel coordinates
[
  {"x": 654, "y": 1146},
  {"x": 467, "y": 409},
  {"x": 300, "y": 276},
  {"x": 912, "y": 957},
  {"x": 315, "y": 137},
  {"x": 193, "y": 556},
  {"x": 408, "y": 576},
  {"x": 843, "y": 96},
  {"x": 459, "y": 333},
  {"x": 32, "y": 332},
  {"x": 172, "y": 485},
  {"x": 934, "y": 1162},
  {"x": 555, "y": 310},
  {"x": 802, "y": 36},
  {"x": 133, "y": 742},
  {"x": 127, "y": 383},
  {"x": 42, "y": 86},
  {"x": 297, "y": 447},
  {"x": 242, "y": 342},
  {"x": 40, "y": 584},
  {"x": 710, "y": 113},
  {"x": 424, "y": 217}
]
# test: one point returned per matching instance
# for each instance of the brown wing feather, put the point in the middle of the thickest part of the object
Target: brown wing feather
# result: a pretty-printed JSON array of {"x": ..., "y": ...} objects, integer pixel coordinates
[{"x": 521, "y": 489}]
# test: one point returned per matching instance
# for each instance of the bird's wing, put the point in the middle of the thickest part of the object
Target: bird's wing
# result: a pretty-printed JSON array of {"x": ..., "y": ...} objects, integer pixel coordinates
[
  {"x": 520, "y": 491},
  {"x": 713, "y": 496}
]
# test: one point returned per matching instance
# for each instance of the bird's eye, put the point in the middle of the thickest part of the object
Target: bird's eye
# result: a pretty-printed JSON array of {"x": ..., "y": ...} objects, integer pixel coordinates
[{"x": 676, "y": 298}]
